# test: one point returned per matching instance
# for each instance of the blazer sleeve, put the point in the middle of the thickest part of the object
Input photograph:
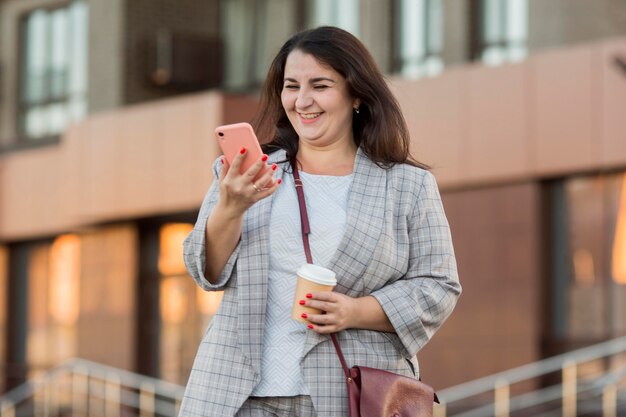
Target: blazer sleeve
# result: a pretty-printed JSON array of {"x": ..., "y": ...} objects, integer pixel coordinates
[
  {"x": 194, "y": 252},
  {"x": 419, "y": 303}
]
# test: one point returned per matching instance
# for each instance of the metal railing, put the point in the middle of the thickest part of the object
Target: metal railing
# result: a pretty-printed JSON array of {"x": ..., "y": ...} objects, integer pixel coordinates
[
  {"x": 80, "y": 388},
  {"x": 590, "y": 380}
]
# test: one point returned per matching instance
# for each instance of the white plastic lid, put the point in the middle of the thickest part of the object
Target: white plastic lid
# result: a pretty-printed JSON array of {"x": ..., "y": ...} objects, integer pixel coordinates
[{"x": 317, "y": 274}]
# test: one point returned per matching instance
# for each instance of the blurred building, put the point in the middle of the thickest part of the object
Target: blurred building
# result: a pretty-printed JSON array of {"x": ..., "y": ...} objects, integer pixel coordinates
[{"x": 107, "y": 109}]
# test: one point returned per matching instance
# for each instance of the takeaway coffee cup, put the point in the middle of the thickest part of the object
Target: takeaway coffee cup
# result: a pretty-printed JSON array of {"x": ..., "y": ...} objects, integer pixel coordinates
[{"x": 311, "y": 278}]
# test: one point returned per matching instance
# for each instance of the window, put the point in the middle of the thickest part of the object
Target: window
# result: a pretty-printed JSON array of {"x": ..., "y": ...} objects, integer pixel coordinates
[
  {"x": 53, "y": 303},
  {"x": 253, "y": 31},
  {"x": 419, "y": 37},
  {"x": 53, "y": 70},
  {"x": 4, "y": 301},
  {"x": 185, "y": 308},
  {"x": 501, "y": 31},
  {"x": 588, "y": 262},
  {"x": 343, "y": 14}
]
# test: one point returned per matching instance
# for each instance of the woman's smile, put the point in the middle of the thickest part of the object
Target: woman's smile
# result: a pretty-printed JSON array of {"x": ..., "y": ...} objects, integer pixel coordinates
[{"x": 308, "y": 118}]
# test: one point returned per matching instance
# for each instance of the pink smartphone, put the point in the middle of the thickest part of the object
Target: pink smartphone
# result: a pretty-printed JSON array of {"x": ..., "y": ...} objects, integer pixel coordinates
[{"x": 231, "y": 138}]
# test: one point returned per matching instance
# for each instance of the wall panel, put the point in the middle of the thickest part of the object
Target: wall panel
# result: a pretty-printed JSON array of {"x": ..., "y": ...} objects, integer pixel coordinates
[{"x": 499, "y": 267}]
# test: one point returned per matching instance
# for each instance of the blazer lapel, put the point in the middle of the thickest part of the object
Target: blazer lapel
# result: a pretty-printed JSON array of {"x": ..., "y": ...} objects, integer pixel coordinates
[
  {"x": 252, "y": 275},
  {"x": 364, "y": 225}
]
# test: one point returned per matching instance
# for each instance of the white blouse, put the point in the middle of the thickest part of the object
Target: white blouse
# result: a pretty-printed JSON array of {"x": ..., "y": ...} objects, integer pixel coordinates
[{"x": 283, "y": 339}]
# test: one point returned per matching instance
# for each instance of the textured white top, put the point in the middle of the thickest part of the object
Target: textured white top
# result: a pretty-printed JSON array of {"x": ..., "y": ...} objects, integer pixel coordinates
[{"x": 283, "y": 340}]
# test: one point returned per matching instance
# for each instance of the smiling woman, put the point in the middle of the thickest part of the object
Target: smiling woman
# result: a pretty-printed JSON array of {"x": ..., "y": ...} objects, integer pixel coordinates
[{"x": 376, "y": 220}]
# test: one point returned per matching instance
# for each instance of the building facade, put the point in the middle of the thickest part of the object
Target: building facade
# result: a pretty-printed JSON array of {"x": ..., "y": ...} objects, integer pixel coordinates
[{"x": 106, "y": 114}]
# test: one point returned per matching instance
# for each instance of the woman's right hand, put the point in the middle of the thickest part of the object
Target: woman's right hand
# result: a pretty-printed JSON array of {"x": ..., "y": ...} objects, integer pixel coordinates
[{"x": 238, "y": 191}]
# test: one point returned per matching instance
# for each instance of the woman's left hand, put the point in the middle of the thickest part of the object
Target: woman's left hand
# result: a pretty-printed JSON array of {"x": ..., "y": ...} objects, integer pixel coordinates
[{"x": 340, "y": 311}]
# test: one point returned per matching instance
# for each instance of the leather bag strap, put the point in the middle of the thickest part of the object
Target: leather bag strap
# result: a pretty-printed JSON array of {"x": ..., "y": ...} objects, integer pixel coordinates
[{"x": 306, "y": 229}]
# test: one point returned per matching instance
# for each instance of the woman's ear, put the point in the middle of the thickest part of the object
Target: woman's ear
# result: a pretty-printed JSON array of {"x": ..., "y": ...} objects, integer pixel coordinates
[{"x": 356, "y": 103}]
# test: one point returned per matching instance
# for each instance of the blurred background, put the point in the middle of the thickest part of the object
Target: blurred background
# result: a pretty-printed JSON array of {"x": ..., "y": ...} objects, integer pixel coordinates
[{"x": 107, "y": 109}]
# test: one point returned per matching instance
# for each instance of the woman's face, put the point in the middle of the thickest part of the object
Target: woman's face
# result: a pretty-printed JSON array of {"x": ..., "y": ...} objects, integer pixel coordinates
[{"x": 316, "y": 100}]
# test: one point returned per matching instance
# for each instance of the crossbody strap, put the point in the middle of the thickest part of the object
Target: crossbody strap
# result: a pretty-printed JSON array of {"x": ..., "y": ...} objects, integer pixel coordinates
[{"x": 306, "y": 229}]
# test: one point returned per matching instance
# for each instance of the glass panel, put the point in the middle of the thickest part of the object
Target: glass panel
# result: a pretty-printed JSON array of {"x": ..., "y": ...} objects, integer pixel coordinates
[
  {"x": 344, "y": 14},
  {"x": 586, "y": 220},
  {"x": 63, "y": 297},
  {"x": 53, "y": 303},
  {"x": 323, "y": 12},
  {"x": 35, "y": 67},
  {"x": 347, "y": 16},
  {"x": 412, "y": 36},
  {"x": 65, "y": 279},
  {"x": 184, "y": 307},
  {"x": 108, "y": 296},
  {"x": 494, "y": 55},
  {"x": 492, "y": 21},
  {"x": 434, "y": 65},
  {"x": 79, "y": 19},
  {"x": 505, "y": 31},
  {"x": 77, "y": 107},
  {"x": 517, "y": 19},
  {"x": 57, "y": 118},
  {"x": 38, "y": 356},
  {"x": 587, "y": 315},
  {"x": 596, "y": 236},
  {"x": 171, "y": 248},
  {"x": 618, "y": 254},
  {"x": 4, "y": 301},
  {"x": 420, "y": 37},
  {"x": 435, "y": 24},
  {"x": 35, "y": 122},
  {"x": 238, "y": 17},
  {"x": 617, "y": 237},
  {"x": 55, "y": 69},
  {"x": 177, "y": 328},
  {"x": 59, "y": 54},
  {"x": 252, "y": 37}
]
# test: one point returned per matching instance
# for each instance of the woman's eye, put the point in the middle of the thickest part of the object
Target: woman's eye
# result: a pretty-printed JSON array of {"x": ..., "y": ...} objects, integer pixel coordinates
[
  {"x": 291, "y": 87},
  {"x": 320, "y": 87}
]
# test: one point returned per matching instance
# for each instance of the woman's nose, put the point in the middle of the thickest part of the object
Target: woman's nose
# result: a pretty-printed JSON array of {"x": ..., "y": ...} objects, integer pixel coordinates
[{"x": 304, "y": 99}]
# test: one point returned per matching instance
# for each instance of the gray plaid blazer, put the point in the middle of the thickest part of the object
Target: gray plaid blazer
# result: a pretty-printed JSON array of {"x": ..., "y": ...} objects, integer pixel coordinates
[{"x": 396, "y": 247}]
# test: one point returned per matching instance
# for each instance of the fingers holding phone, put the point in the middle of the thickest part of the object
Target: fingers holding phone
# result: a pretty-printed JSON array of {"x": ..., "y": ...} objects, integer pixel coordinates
[
  {"x": 264, "y": 182},
  {"x": 259, "y": 174},
  {"x": 246, "y": 178}
]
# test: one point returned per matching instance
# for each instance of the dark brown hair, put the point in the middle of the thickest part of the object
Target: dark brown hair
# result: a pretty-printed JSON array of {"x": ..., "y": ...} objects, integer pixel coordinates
[{"x": 379, "y": 129}]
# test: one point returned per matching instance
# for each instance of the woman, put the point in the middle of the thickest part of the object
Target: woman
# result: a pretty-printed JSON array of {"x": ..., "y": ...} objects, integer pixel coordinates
[{"x": 376, "y": 220}]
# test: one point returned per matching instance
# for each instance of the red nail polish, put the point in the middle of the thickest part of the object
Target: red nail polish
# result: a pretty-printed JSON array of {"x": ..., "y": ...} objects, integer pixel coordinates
[
  {"x": 310, "y": 326},
  {"x": 302, "y": 302},
  {"x": 222, "y": 160},
  {"x": 279, "y": 181},
  {"x": 264, "y": 158},
  {"x": 274, "y": 167},
  {"x": 304, "y": 316},
  {"x": 309, "y": 296},
  {"x": 242, "y": 151}
]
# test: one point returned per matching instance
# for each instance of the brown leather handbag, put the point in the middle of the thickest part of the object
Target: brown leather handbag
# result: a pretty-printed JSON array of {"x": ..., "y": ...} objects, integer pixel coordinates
[
  {"x": 376, "y": 393},
  {"x": 373, "y": 392}
]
